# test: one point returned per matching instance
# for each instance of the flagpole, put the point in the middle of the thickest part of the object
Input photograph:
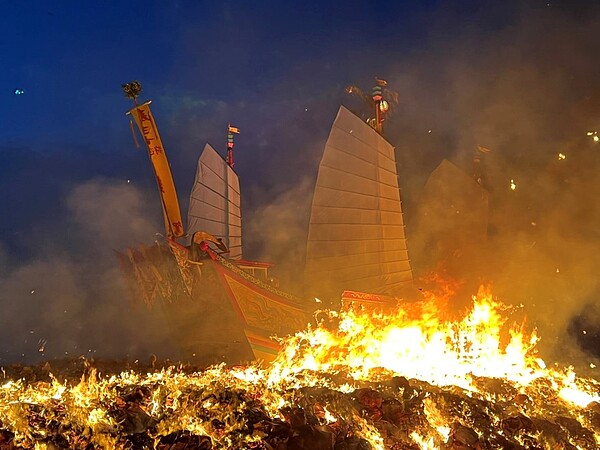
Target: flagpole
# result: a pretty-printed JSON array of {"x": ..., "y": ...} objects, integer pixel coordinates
[{"x": 230, "y": 132}]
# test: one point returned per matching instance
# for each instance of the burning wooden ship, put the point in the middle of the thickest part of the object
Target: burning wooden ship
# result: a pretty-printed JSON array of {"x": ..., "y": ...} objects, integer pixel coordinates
[
  {"x": 417, "y": 377},
  {"x": 356, "y": 246}
]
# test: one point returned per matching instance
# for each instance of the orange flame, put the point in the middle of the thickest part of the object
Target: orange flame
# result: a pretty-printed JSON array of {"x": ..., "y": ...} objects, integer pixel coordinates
[{"x": 416, "y": 342}]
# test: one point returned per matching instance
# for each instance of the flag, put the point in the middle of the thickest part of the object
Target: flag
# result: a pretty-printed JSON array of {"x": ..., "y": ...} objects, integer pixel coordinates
[
  {"x": 172, "y": 214},
  {"x": 235, "y": 130}
]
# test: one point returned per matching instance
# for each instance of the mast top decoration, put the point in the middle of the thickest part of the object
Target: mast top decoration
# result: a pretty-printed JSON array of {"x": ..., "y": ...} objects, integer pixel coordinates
[{"x": 381, "y": 101}]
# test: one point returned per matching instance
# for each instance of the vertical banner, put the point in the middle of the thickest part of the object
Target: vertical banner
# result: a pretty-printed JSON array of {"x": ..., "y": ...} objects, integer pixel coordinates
[{"x": 145, "y": 122}]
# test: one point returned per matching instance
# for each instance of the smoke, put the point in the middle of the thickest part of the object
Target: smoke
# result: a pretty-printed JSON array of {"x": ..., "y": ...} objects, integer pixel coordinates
[
  {"x": 69, "y": 300},
  {"x": 529, "y": 94},
  {"x": 283, "y": 224},
  {"x": 520, "y": 79},
  {"x": 109, "y": 215}
]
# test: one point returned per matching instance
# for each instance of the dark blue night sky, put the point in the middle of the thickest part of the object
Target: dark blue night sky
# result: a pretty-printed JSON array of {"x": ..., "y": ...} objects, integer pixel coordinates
[{"x": 522, "y": 78}]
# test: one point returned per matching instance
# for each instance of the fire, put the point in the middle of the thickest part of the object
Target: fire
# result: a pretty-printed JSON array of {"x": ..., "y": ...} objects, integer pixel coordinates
[
  {"x": 417, "y": 377},
  {"x": 417, "y": 342}
]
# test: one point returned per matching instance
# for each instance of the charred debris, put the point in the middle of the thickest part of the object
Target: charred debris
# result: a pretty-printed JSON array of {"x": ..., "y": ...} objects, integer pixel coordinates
[{"x": 84, "y": 405}]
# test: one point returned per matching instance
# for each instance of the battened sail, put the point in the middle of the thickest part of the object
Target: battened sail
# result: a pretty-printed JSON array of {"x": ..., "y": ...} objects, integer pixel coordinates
[
  {"x": 215, "y": 201},
  {"x": 451, "y": 221},
  {"x": 356, "y": 238}
]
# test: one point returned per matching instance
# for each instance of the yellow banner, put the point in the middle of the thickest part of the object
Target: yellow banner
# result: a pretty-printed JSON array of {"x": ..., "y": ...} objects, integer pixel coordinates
[
  {"x": 233, "y": 129},
  {"x": 145, "y": 122}
]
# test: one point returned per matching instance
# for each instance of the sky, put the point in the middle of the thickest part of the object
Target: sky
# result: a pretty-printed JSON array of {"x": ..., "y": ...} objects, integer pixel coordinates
[{"x": 519, "y": 77}]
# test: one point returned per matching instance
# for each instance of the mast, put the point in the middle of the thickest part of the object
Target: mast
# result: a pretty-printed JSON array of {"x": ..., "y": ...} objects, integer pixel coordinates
[
  {"x": 479, "y": 170},
  {"x": 230, "y": 132},
  {"x": 164, "y": 179},
  {"x": 379, "y": 102}
]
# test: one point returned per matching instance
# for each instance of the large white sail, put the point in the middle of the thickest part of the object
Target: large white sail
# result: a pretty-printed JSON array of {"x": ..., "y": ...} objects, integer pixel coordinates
[
  {"x": 356, "y": 238},
  {"x": 215, "y": 201}
]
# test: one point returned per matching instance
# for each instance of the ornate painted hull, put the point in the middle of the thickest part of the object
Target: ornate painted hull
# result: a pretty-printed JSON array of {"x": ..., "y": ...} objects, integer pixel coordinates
[
  {"x": 216, "y": 311},
  {"x": 263, "y": 311}
]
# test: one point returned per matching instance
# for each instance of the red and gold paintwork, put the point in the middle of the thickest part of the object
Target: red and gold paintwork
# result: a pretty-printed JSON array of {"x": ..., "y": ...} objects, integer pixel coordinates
[
  {"x": 368, "y": 302},
  {"x": 215, "y": 307}
]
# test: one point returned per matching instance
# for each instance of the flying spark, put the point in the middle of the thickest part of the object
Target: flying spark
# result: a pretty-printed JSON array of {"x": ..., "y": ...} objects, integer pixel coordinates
[
  {"x": 513, "y": 186},
  {"x": 19, "y": 91},
  {"x": 561, "y": 156}
]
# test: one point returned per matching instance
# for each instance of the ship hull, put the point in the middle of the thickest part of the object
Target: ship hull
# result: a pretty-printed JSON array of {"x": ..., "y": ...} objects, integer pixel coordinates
[{"x": 216, "y": 312}]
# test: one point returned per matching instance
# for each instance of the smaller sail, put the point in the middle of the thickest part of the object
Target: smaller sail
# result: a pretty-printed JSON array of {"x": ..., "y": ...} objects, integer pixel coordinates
[
  {"x": 215, "y": 201},
  {"x": 451, "y": 221},
  {"x": 166, "y": 187}
]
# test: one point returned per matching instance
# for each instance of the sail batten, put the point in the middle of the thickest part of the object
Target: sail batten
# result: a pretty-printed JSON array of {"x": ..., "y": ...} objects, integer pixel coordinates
[
  {"x": 364, "y": 178},
  {"x": 214, "y": 209},
  {"x": 356, "y": 236},
  {"x": 371, "y": 163},
  {"x": 366, "y": 267},
  {"x": 215, "y": 201},
  {"x": 403, "y": 256}
]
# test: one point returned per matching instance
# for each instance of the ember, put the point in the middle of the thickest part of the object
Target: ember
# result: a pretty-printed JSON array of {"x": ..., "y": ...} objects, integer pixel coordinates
[{"x": 414, "y": 378}]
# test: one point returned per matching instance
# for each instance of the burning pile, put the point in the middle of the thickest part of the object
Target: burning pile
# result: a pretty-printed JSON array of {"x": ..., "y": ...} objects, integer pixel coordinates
[{"x": 410, "y": 379}]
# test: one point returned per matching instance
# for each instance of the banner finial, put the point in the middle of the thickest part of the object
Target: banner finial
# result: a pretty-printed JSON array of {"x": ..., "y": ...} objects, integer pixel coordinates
[{"x": 132, "y": 90}]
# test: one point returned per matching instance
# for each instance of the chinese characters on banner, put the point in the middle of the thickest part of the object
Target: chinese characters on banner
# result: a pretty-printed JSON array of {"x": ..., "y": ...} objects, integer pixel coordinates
[{"x": 145, "y": 122}]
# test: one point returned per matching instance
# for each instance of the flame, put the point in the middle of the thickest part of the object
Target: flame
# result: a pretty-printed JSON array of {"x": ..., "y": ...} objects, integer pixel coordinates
[
  {"x": 438, "y": 363},
  {"x": 416, "y": 342}
]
